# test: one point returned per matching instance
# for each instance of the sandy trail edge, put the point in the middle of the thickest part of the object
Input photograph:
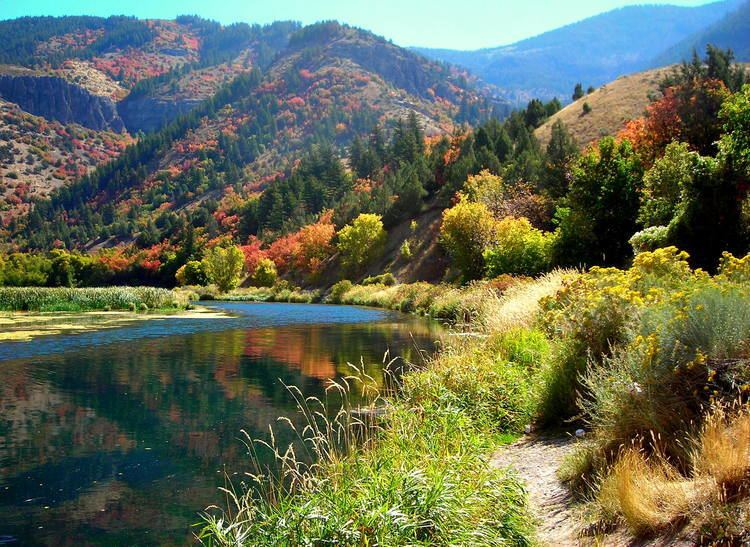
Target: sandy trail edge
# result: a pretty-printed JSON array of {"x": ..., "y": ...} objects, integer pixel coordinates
[{"x": 535, "y": 459}]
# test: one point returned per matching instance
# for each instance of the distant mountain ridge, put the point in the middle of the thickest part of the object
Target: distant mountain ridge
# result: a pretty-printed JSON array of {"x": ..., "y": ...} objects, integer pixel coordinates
[
  {"x": 730, "y": 32},
  {"x": 593, "y": 51}
]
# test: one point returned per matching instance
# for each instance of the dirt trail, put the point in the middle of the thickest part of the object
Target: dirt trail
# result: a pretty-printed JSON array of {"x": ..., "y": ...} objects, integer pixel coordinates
[{"x": 536, "y": 459}]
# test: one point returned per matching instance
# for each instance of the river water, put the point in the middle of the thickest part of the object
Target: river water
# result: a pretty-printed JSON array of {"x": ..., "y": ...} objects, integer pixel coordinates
[{"x": 123, "y": 436}]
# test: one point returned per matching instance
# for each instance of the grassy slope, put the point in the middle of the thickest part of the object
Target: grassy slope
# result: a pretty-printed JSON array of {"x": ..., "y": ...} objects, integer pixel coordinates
[{"x": 612, "y": 105}]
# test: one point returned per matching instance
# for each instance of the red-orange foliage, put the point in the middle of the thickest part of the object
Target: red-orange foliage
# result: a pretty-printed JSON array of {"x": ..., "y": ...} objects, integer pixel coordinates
[
  {"x": 284, "y": 252},
  {"x": 115, "y": 261},
  {"x": 315, "y": 243},
  {"x": 253, "y": 253},
  {"x": 686, "y": 113}
]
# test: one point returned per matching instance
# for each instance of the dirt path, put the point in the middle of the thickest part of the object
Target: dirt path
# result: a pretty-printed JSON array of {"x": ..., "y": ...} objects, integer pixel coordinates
[{"x": 535, "y": 459}]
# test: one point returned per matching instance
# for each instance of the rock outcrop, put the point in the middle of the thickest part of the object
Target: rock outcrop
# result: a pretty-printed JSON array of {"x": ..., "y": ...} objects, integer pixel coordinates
[
  {"x": 150, "y": 114},
  {"x": 56, "y": 99}
]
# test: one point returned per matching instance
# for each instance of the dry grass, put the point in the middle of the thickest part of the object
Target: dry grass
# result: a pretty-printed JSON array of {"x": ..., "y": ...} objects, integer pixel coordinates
[
  {"x": 723, "y": 454},
  {"x": 651, "y": 496},
  {"x": 612, "y": 105},
  {"x": 518, "y": 307},
  {"x": 648, "y": 493}
]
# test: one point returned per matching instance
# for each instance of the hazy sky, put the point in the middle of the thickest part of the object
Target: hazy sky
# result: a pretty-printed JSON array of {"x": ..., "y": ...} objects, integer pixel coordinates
[{"x": 457, "y": 24}]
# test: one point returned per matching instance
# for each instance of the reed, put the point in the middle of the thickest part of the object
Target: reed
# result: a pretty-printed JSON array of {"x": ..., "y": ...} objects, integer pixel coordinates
[{"x": 51, "y": 299}]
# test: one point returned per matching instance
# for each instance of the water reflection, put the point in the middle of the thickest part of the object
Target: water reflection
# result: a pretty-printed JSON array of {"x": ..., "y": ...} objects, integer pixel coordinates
[{"x": 122, "y": 442}]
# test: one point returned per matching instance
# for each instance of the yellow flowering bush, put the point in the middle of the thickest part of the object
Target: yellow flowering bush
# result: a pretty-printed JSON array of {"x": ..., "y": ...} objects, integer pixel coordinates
[
  {"x": 648, "y": 351},
  {"x": 736, "y": 270},
  {"x": 660, "y": 299}
]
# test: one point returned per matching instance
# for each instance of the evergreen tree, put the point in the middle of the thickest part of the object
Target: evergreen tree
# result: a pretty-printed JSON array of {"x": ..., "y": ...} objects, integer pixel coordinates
[{"x": 578, "y": 92}]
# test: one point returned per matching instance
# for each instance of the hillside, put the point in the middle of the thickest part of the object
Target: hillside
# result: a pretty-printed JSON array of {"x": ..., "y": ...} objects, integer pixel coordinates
[
  {"x": 593, "y": 51},
  {"x": 330, "y": 84},
  {"x": 37, "y": 155},
  {"x": 144, "y": 72},
  {"x": 611, "y": 105}
]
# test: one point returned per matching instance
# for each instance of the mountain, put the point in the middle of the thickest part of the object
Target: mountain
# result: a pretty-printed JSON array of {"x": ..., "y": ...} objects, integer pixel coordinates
[
  {"x": 140, "y": 73},
  {"x": 612, "y": 105},
  {"x": 593, "y": 51},
  {"x": 37, "y": 155},
  {"x": 245, "y": 129},
  {"x": 731, "y": 32}
]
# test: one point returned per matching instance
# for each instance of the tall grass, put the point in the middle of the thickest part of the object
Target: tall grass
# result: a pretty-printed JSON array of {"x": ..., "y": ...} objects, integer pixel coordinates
[
  {"x": 412, "y": 470},
  {"x": 43, "y": 299},
  {"x": 413, "y": 473}
]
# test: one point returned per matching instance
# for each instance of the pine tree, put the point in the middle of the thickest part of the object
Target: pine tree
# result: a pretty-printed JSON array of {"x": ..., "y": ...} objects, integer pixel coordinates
[{"x": 578, "y": 92}]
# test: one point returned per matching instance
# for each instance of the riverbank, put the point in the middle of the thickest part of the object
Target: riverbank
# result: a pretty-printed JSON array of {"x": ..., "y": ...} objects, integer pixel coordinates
[
  {"x": 481, "y": 306},
  {"x": 654, "y": 358},
  {"x": 417, "y": 470}
]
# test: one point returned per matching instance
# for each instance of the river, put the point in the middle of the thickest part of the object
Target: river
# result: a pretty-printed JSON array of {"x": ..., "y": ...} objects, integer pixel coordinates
[{"x": 123, "y": 436}]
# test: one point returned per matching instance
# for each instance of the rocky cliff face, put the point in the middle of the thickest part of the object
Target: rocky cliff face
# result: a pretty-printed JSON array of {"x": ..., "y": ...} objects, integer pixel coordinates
[
  {"x": 55, "y": 99},
  {"x": 150, "y": 114}
]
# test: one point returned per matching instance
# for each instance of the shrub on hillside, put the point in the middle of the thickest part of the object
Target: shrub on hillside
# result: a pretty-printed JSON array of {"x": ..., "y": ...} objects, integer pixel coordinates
[
  {"x": 405, "y": 251},
  {"x": 362, "y": 241},
  {"x": 223, "y": 267},
  {"x": 386, "y": 279},
  {"x": 191, "y": 274},
  {"x": 265, "y": 274},
  {"x": 467, "y": 229},
  {"x": 519, "y": 249}
]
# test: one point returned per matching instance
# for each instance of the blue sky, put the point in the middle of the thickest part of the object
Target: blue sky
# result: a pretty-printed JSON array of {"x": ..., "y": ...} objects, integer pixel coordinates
[{"x": 457, "y": 24}]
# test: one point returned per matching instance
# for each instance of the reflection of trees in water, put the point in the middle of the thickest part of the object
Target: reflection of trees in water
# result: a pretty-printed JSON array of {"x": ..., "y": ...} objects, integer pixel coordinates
[{"x": 90, "y": 414}]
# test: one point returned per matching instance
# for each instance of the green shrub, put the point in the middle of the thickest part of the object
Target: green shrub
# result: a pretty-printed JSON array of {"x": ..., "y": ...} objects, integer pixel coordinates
[
  {"x": 265, "y": 274},
  {"x": 650, "y": 239},
  {"x": 405, "y": 250},
  {"x": 191, "y": 273},
  {"x": 223, "y": 267},
  {"x": 362, "y": 241},
  {"x": 663, "y": 184},
  {"x": 467, "y": 229},
  {"x": 386, "y": 279},
  {"x": 339, "y": 290},
  {"x": 519, "y": 249}
]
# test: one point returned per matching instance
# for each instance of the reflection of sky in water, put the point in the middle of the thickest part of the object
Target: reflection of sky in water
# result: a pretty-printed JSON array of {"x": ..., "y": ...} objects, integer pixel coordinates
[
  {"x": 245, "y": 315},
  {"x": 122, "y": 436}
]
